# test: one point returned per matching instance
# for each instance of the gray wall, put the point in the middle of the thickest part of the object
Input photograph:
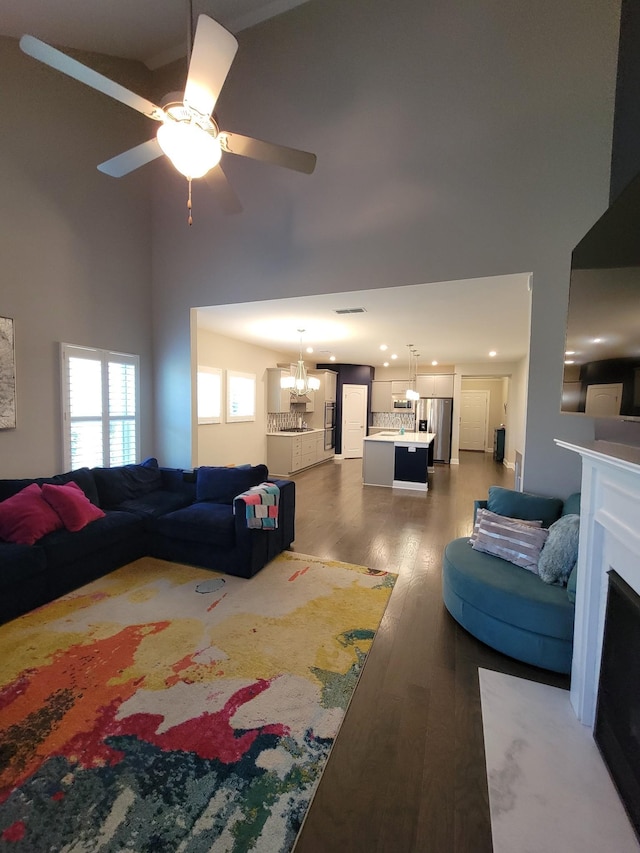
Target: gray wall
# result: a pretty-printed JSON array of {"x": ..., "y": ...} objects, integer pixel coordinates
[
  {"x": 453, "y": 140},
  {"x": 625, "y": 162},
  {"x": 75, "y": 245}
]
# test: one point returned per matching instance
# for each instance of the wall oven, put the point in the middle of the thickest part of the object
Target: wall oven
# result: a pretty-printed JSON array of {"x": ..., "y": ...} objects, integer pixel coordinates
[
  {"x": 329, "y": 426},
  {"x": 329, "y": 415},
  {"x": 329, "y": 439}
]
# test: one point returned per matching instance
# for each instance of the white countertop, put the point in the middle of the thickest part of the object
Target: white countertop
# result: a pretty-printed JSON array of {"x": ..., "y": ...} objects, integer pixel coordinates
[
  {"x": 412, "y": 439},
  {"x": 293, "y": 434}
]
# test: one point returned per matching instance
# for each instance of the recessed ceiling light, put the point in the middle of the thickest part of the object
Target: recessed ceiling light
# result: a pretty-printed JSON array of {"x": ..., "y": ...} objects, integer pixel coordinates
[
  {"x": 332, "y": 358},
  {"x": 597, "y": 340},
  {"x": 569, "y": 361},
  {"x": 386, "y": 364},
  {"x": 434, "y": 363},
  {"x": 570, "y": 352},
  {"x": 309, "y": 349},
  {"x": 384, "y": 347},
  {"x": 492, "y": 354},
  {"x": 393, "y": 355}
]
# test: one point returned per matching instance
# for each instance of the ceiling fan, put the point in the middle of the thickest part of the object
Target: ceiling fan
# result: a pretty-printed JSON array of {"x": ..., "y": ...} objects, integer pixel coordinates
[{"x": 188, "y": 134}]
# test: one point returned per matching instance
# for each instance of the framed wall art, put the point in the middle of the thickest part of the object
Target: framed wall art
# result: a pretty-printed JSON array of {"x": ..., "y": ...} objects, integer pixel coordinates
[{"x": 7, "y": 374}]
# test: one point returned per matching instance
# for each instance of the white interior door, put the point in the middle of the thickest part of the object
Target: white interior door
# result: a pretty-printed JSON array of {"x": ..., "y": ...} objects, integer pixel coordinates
[
  {"x": 354, "y": 420},
  {"x": 603, "y": 401},
  {"x": 474, "y": 411}
]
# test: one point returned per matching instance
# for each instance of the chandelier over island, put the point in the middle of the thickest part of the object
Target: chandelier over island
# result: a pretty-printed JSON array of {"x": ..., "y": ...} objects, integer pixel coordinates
[{"x": 300, "y": 383}]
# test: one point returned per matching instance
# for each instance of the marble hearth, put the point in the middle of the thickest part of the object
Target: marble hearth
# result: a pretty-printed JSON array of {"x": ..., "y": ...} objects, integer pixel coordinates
[{"x": 609, "y": 539}]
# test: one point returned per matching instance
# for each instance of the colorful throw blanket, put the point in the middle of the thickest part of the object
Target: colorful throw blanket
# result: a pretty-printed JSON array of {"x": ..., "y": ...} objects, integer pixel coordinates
[{"x": 261, "y": 506}]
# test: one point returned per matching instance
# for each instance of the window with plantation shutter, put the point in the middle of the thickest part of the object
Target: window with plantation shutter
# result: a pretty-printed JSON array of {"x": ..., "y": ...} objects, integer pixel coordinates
[{"x": 99, "y": 407}]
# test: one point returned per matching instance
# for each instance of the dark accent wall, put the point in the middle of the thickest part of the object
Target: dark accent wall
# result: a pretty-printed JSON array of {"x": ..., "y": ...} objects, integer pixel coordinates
[
  {"x": 349, "y": 374},
  {"x": 625, "y": 155},
  {"x": 625, "y": 371}
]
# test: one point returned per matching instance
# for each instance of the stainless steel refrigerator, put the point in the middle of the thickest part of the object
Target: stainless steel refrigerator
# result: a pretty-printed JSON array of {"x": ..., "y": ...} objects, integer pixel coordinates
[{"x": 434, "y": 414}]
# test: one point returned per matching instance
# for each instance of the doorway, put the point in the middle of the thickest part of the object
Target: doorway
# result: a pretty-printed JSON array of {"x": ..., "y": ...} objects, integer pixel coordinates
[
  {"x": 354, "y": 420},
  {"x": 603, "y": 401},
  {"x": 474, "y": 413}
]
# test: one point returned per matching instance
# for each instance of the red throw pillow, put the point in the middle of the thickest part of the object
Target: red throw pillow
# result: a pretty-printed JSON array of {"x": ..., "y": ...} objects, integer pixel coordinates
[
  {"x": 26, "y": 517},
  {"x": 71, "y": 504}
]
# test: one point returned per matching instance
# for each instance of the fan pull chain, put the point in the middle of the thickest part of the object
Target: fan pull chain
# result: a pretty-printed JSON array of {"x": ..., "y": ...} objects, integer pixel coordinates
[{"x": 189, "y": 218}]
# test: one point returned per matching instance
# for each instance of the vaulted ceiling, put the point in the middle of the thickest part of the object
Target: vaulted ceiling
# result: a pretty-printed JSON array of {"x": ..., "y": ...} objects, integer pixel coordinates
[{"x": 151, "y": 31}]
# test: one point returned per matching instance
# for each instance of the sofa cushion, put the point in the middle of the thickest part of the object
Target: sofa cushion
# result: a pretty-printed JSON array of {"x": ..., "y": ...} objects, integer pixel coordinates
[
  {"x": 560, "y": 552},
  {"x": 64, "y": 548},
  {"x": 523, "y": 505},
  {"x": 116, "y": 485},
  {"x": 208, "y": 523},
  {"x": 517, "y": 542},
  {"x": 222, "y": 485},
  {"x": 507, "y": 592},
  {"x": 156, "y": 503},
  {"x": 19, "y": 563},
  {"x": 81, "y": 476},
  {"x": 27, "y": 517},
  {"x": 572, "y": 505},
  {"x": 571, "y": 584},
  {"x": 72, "y": 505}
]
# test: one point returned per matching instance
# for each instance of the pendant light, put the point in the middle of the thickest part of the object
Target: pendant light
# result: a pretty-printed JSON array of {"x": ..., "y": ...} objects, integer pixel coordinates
[
  {"x": 411, "y": 393},
  {"x": 300, "y": 383}
]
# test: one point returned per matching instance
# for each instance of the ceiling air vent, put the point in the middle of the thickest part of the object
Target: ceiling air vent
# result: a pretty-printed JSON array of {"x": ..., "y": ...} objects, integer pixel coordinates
[{"x": 351, "y": 310}]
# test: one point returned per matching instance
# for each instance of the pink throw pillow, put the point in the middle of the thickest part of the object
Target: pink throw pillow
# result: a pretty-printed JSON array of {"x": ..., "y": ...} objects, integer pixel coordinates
[
  {"x": 26, "y": 517},
  {"x": 71, "y": 504}
]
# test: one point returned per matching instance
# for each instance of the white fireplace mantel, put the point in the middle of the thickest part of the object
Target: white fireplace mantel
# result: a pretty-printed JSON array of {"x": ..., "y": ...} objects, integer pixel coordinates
[{"x": 609, "y": 539}]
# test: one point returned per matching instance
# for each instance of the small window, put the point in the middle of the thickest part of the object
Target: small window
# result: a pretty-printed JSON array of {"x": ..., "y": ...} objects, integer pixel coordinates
[
  {"x": 241, "y": 396},
  {"x": 209, "y": 393},
  {"x": 100, "y": 407}
]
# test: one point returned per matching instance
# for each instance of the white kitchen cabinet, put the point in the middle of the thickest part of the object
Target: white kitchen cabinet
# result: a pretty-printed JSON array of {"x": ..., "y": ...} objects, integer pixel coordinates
[
  {"x": 399, "y": 387},
  {"x": 287, "y": 454},
  {"x": 278, "y": 398},
  {"x": 435, "y": 384},
  {"x": 381, "y": 396},
  {"x": 328, "y": 385}
]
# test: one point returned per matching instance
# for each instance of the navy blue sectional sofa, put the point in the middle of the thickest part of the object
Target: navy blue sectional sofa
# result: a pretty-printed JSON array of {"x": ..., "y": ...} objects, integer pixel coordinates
[{"x": 193, "y": 517}]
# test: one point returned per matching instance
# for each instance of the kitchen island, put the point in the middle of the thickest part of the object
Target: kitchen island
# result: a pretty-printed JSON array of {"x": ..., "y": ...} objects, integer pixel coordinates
[{"x": 397, "y": 460}]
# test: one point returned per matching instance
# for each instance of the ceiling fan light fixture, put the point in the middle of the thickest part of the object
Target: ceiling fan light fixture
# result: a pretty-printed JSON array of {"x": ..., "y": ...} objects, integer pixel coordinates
[{"x": 192, "y": 150}]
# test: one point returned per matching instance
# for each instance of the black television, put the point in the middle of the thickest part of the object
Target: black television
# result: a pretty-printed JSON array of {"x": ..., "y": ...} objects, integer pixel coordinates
[{"x": 602, "y": 347}]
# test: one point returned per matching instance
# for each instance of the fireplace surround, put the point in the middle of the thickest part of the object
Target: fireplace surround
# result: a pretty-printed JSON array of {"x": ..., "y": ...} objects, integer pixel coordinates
[
  {"x": 609, "y": 548},
  {"x": 609, "y": 539}
]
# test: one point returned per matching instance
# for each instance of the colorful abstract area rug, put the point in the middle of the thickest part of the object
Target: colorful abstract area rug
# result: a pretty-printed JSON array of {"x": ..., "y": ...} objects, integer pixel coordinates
[{"x": 167, "y": 708}]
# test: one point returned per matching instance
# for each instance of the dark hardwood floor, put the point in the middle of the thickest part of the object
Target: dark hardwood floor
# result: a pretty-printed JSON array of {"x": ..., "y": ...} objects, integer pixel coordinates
[{"x": 407, "y": 771}]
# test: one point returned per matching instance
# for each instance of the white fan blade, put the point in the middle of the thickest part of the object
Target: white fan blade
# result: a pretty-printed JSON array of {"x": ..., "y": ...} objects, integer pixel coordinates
[
  {"x": 61, "y": 62},
  {"x": 256, "y": 149},
  {"x": 224, "y": 192},
  {"x": 132, "y": 159},
  {"x": 211, "y": 58}
]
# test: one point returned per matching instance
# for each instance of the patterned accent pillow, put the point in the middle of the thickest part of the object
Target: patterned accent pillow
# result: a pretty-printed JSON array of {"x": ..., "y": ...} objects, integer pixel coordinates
[
  {"x": 511, "y": 540},
  {"x": 494, "y": 516}
]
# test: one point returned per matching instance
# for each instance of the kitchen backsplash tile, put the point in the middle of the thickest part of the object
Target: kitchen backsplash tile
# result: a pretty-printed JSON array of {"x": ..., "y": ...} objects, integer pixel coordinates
[
  {"x": 285, "y": 420},
  {"x": 394, "y": 420}
]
